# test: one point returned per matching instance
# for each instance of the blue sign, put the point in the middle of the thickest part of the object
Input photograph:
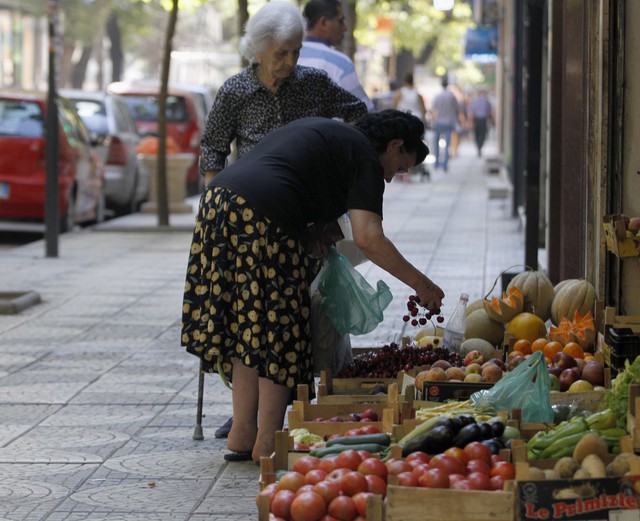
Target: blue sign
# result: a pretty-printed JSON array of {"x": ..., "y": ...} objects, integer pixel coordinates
[{"x": 481, "y": 44}]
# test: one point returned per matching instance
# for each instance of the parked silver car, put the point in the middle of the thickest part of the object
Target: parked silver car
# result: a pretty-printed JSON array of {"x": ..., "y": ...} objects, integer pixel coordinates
[{"x": 112, "y": 128}]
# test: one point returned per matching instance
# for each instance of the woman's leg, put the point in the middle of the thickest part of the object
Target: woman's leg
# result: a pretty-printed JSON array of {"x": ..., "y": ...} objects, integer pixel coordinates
[
  {"x": 272, "y": 407},
  {"x": 243, "y": 432}
]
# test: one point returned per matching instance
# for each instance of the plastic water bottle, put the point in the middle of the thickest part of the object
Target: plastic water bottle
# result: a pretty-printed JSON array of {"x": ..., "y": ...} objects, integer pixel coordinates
[{"x": 454, "y": 332}]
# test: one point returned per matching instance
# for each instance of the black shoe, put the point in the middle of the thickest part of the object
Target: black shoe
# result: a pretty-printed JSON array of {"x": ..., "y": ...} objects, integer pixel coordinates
[
  {"x": 238, "y": 456},
  {"x": 223, "y": 432}
]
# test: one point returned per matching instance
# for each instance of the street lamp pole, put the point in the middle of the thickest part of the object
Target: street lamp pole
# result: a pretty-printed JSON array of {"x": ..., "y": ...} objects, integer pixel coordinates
[{"x": 51, "y": 213}]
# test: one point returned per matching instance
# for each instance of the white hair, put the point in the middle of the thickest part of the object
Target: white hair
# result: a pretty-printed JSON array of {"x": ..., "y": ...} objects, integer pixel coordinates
[{"x": 275, "y": 22}]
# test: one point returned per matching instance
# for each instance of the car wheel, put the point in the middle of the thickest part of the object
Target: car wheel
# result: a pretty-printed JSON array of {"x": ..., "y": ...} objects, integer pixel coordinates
[
  {"x": 101, "y": 208},
  {"x": 135, "y": 198},
  {"x": 67, "y": 221}
]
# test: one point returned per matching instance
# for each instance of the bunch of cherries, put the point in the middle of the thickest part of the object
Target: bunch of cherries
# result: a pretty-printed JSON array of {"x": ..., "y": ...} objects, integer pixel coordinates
[{"x": 415, "y": 309}]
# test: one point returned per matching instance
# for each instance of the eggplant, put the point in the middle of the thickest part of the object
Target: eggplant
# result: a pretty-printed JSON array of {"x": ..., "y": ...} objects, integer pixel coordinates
[
  {"x": 466, "y": 419},
  {"x": 493, "y": 444},
  {"x": 497, "y": 428},
  {"x": 433, "y": 441},
  {"x": 486, "y": 430},
  {"x": 467, "y": 434}
]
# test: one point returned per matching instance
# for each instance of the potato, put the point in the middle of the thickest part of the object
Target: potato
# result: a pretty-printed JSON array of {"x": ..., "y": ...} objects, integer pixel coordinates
[
  {"x": 594, "y": 466},
  {"x": 590, "y": 444},
  {"x": 620, "y": 465},
  {"x": 536, "y": 473},
  {"x": 551, "y": 474},
  {"x": 566, "y": 467},
  {"x": 581, "y": 474}
]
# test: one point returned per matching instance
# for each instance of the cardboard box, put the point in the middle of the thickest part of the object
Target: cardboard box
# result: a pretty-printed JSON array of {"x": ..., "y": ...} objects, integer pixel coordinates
[{"x": 442, "y": 391}]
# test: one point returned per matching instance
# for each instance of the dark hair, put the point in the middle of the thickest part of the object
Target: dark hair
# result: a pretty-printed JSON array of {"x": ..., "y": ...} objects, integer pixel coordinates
[
  {"x": 408, "y": 78},
  {"x": 381, "y": 127},
  {"x": 316, "y": 9},
  {"x": 444, "y": 82}
]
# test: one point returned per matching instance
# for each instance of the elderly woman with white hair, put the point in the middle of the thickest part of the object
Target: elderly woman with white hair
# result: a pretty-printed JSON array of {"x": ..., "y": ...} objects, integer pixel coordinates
[
  {"x": 272, "y": 91},
  {"x": 269, "y": 93}
]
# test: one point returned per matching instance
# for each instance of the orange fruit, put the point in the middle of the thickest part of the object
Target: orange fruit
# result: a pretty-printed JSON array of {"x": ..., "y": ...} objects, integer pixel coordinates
[
  {"x": 523, "y": 345},
  {"x": 552, "y": 348},
  {"x": 526, "y": 325},
  {"x": 538, "y": 344},
  {"x": 513, "y": 354},
  {"x": 573, "y": 349}
]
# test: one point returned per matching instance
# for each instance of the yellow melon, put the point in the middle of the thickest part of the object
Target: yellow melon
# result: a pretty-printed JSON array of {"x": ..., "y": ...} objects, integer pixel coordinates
[{"x": 527, "y": 326}]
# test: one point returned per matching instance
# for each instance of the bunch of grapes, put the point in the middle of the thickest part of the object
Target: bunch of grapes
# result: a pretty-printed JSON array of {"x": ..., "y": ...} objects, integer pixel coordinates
[{"x": 419, "y": 315}]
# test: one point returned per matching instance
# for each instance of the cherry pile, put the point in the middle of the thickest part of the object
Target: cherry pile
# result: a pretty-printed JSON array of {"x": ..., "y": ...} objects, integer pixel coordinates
[
  {"x": 419, "y": 315},
  {"x": 390, "y": 359}
]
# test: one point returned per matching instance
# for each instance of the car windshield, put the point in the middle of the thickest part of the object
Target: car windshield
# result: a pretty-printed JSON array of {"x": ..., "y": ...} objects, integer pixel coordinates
[
  {"x": 93, "y": 114},
  {"x": 21, "y": 119},
  {"x": 145, "y": 108}
]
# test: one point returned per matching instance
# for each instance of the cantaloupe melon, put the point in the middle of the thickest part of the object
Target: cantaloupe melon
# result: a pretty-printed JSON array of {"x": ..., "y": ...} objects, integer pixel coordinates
[{"x": 480, "y": 325}]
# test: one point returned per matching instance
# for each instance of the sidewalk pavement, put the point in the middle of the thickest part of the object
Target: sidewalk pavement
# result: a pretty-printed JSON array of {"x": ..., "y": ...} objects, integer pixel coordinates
[{"x": 97, "y": 398}]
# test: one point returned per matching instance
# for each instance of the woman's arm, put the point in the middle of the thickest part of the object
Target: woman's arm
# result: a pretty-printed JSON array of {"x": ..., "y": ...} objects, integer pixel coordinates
[{"x": 369, "y": 237}]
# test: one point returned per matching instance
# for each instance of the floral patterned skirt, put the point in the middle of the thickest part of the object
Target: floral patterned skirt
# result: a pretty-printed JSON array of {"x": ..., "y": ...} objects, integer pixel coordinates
[{"x": 246, "y": 293}]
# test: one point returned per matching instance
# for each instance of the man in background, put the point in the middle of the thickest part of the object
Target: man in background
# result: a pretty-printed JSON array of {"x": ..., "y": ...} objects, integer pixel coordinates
[
  {"x": 446, "y": 115},
  {"x": 325, "y": 30},
  {"x": 480, "y": 114}
]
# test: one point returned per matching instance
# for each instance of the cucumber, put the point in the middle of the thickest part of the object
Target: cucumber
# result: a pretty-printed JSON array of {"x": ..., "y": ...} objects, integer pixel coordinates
[
  {"x": 373, "y": 448},
  {"x": 381, "y": 438}
]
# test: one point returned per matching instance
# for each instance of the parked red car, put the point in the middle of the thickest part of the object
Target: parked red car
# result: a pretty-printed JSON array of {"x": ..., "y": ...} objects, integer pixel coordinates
[
  {"x": 184, "y": 119},
  {"x": 22, "y": 162}
]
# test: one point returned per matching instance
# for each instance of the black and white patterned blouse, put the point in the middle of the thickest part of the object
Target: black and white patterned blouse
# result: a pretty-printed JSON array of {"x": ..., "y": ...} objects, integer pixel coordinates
[{"x": 245, "y": 110}]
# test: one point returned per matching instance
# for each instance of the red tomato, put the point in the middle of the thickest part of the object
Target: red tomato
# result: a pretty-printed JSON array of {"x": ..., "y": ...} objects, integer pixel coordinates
[
  {"x": 328, "y": 518},
  {"x": 354, "y": 432},
  {"x": 434, "y": 478},
  {"x": 281, "y": 504},
  {"x": 305, "y": 463},
  {"x": 315, "y": 476},
  {"x": 291, "y": 480},
  {"x": 269, "y": 491},
  {"x": 348, "y": 459},
  {"x": 503, "y": 469},
  {"x": 308, "y": 506},
  {"x": 458, "y": 453},
  {"x": 497, "y": 483},
  {"x": 395, "y": 466},
  {"x": 479, "y": 481},
  {"x": 373, "y": 466},
  {"x": 448, "y": 464},
  {"x": 365, "y": 454},
  {"x": 407, "y": 479},
  {"x": 300, "y": 446},
  {"x": 360, "y": 500},
  {"x": 352, "y": 483},
  {"x": 304, "y": 488},
  {"x": 415, "y": 458},
  {"x": 370, "y": 429},
  {"x": 419, "y": 470},
  {"x": 328, "y": 464},
  {"x": 273, "y": 517},
  {"x": 328, "y": 490},
  {"x": 454, "y": 478},
  {"x": 495, "y": 458},
  {"x": 476, "y": 450},
  {"x": 462, "y": 484},
  {"x": 337, "y": 474},
  {"x": 343, "y": 508},
  {"x": 478, "y": 465},
  {"x": 376, "y": 484}
]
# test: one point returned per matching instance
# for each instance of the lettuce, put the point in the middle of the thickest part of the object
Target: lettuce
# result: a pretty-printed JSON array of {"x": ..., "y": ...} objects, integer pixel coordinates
[{"x": 618, "y": 398}]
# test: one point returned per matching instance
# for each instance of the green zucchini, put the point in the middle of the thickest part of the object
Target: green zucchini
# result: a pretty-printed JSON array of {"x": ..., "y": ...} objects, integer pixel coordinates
[
  {"x": 381, "y": 438},
  {"x": 373, "y": 448}
]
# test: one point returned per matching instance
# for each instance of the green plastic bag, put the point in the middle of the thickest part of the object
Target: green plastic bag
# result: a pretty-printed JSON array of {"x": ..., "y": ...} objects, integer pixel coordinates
[
  {"x": 351, "y": 304},
  {"x": 527, "y": 387}
]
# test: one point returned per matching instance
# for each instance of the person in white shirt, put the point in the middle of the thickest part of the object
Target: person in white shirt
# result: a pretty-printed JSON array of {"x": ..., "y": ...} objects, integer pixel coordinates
[{"x": 325, "y": 30}]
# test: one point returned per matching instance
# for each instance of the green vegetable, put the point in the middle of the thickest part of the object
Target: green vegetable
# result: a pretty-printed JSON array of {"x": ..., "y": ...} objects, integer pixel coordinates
[
  {"x": 576, "y": 425},
  {"x": 618, "y": 398},
  {"x": 561, "y": 445},
  {"x": 601, "y": 420},
  {"x": 423, "y": 428},
  {"x": 380, "y": 438},
  {"x": 373, "y": 448}
]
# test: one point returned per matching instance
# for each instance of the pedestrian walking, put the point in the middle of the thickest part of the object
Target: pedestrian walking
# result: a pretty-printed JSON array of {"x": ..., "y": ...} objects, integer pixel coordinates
[
  {"x": 480, "y": 115},
  {"x": 246, "y": 302},
  {"x": 446, "y": 115},
  {"x": 325, "y": 30},
  {"x": 271, "y": 91}
]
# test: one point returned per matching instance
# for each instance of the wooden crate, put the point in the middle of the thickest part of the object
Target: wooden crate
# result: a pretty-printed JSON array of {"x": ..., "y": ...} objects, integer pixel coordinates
[
  {"x": 424, "y": 504},
  {"x": 621, "y": 243},
  {"x": 302, "y": 414}
]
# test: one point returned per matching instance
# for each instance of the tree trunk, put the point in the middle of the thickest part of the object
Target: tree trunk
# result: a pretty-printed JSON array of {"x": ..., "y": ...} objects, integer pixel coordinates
[
  {"x": 348, "y": 45},
  {"x": 116, "y": 52},
  {"x": 243, "y": 16},
  {"x": 163, "y": 200},
  {"x": 79, "y": 69}
]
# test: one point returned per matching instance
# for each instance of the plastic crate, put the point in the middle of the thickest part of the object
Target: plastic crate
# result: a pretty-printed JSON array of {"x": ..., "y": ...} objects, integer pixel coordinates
[{"x": 624, "y": 344}]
